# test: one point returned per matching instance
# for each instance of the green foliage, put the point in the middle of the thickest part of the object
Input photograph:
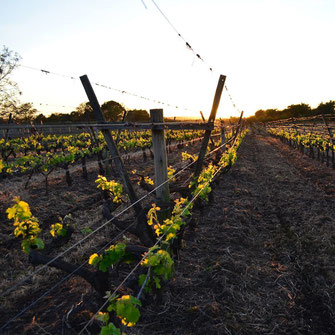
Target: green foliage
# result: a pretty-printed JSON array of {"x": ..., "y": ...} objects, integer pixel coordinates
[
  {"x": 296, "y": 111},
  {"x": 161, "y": 265},
  {"x": 152, "y": 215},
  {"x": 86, "y": 231},
  {"x": 114, "y": 188},
  {"x": 45, "y": 153},
  {"x": 110, "y": 329},
  {"x": 111, "y": 256},
  {"x": 307, "y": 140},
  {"x": 185, "y": 156},
  {"x": 58, "y": 229},
  {"x": 172, "y": 225},
  {"x": 158, "y": 261},
  {"x": 25, "y": 112},
  {"x": 126, "y": 309},
  {"x": 26, "y": 225},
  {"x": 201, "y": 186},
  {"x": 137, "y": 115},
  {"x": 171, "y": 172},
  {"x": 112, "y": 110}
]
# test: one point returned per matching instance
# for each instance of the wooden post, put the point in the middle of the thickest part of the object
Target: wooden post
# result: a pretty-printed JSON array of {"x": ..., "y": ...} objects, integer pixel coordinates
[
  {"x": 328, "y": 128},
  {"x": 110, "y": 142},
  {"x": 211, "y": 118},
  {"x": 203, "y": 119},
  {"x": 142, "y": 227},
  {"x": 239, "y": 124},
  {"x": 160, "y": 158}
]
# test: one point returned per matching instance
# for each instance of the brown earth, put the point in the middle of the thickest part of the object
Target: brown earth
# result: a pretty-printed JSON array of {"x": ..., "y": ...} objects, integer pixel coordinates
[
  {"x": 84, "y": 202},
  {"x": 260, "y": 260}
]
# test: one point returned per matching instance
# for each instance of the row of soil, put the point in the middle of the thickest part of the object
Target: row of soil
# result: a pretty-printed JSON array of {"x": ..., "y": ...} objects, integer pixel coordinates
[
  {"x": 261, "y": 259},
  {"x": 85, "y": 203}
]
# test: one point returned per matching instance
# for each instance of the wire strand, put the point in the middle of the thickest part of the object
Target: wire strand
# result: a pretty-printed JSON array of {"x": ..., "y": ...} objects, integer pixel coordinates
[
  {"x": 47, "y": 72},
  {"x": 179, "y": 34},
  {"x": 93, "y": 232},
  {"x": 109, "y": 243},
  {"x": 63, "y": 279},
  {"x": 146, "y": 255}
]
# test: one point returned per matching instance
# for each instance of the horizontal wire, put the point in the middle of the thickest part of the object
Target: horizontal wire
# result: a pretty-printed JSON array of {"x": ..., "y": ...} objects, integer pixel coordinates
[
  {"x": 97, "y": 229},
  {"x": 68, "y": 276},
  {"x": 111, "y": 88},
  {"x": 62, "y": 280},
  {"x": 80, "y": 266},
  {"x": 93, "y": 232},
  {"x": 146, "y": 255}
]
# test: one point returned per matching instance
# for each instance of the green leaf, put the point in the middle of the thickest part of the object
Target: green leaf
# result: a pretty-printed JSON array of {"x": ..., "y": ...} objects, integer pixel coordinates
[
  {"x": 26, "y": 246},
  {"x": 86, "y": 231},
  {"x": 157, "y": 282},
  {"x": 110, "y": 329},
  {"x": 103, "y": 317},
  {"x": 127, "y": 311},
  {"x": 38, "y": 243}
]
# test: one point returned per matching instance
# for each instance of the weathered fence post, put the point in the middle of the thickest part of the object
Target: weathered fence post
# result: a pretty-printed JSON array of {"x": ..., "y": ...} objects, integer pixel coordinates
[
  {"x": 204, "y": 120},
  {"x": 211, "y": 119},
  {"x": 160, "y": 157},
  {"x": 142, "y": 227},
  {"x": 238, "y": 125}
]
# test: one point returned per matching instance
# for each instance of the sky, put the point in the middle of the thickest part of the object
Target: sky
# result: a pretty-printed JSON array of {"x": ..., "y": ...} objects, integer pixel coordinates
[{"x": 274, "y": 53}]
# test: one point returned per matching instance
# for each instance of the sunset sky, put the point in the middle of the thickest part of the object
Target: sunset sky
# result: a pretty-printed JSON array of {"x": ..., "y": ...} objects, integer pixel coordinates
[{"x": 273, "y": 52}]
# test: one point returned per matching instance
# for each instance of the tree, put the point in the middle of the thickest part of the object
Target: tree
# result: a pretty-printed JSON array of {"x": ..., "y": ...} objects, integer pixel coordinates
[
  {"x": 137, "y": 115},
  {"x": 260, "y": 115},
  {"x": 84, "y": 112},
  {"x": 325, "y": 108},
  {"x": 8, "y": 88},
  {"x": 40, "y": 119},
  {"x": 25, "y": 112},
  {"x": 112, "y": 110},
  {"x": 297, "y": 110}
]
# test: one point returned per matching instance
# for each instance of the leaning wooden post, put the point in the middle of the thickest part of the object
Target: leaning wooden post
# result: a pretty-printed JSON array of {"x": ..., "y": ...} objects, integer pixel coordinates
[
  {"x": 142, "y": 227},
  {"x": 211, "y": 119},
  {"x": 331, "y": 137},
  {"x": 238, "y": 127},
  {"x": 96, "y": 143},
  {"x": 203, "y": 119},
  {"x": 160, "y": 158}
]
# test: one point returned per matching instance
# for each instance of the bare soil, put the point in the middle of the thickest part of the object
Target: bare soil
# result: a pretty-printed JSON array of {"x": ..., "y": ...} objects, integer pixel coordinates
[
  {"x": 259, "y": 261},
  {"x": 84, "y": 202}
]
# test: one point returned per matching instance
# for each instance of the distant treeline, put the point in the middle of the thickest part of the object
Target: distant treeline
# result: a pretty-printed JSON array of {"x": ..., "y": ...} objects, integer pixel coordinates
[
  {"x": 296, "y": 111},
  {"x": 113, "y": 111}
]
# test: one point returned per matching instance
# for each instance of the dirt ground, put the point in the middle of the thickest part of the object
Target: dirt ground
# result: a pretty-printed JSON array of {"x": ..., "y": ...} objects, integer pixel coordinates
[
  {"x": 259, "y": 261},
  {"x": 84, "y": 202}
]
